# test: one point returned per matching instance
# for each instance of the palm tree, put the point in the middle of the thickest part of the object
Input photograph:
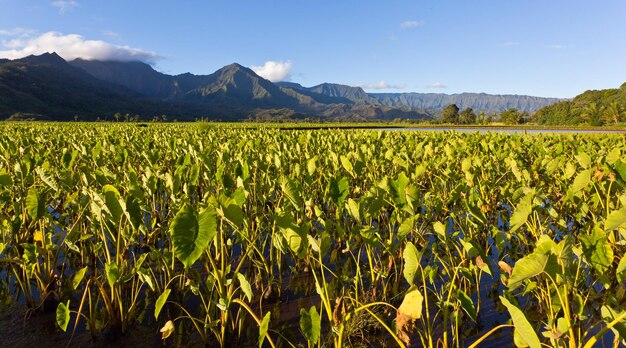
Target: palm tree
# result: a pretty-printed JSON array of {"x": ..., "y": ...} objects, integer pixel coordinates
[
  {"x": 614, "y": 112},
  {"x": 592, "y": 114}
]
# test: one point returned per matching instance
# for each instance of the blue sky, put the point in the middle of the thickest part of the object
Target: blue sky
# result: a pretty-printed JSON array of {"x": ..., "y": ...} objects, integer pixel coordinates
[{"x": 552, "y": 48}]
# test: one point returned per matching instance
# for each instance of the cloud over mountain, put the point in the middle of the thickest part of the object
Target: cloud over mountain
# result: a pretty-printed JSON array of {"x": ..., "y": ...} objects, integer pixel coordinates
[
  {"x": 436, "y": 85},
  {"x": 274, "y": 71},
  {"x": 382, "y": 85},
  {"x": 74, "y": 46}
]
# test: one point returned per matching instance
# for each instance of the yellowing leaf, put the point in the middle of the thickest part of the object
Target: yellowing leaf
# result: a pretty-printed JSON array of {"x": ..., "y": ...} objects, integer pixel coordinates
[
  {"x": 412, "y": 303},
  {"x": 167, "y": 329},
  {"x": 38, "y": 237}
]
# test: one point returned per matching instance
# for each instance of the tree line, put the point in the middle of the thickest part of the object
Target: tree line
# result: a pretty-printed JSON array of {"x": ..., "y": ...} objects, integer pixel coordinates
[{"x": 452, "y": 114}]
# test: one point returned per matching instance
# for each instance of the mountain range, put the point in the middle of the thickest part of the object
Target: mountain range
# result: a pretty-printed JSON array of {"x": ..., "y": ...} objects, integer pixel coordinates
[{"x": 51, "y": 88}]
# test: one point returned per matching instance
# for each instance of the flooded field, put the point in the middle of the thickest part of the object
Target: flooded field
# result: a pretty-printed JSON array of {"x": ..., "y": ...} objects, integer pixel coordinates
[{"x": 185, "y": 235}]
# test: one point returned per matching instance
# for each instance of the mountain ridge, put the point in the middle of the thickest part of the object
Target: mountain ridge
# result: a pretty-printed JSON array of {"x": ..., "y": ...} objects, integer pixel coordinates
[
  {"x": 233, "y": 92},
  {"x": 330, "y": 93}
]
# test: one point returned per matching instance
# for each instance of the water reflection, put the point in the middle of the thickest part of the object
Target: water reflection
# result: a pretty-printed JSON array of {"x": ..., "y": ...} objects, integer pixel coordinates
[{"x": 507, "y": 130}]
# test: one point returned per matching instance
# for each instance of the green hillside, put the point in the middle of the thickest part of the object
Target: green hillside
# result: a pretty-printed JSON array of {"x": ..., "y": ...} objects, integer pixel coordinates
[{"x": 594, "y": 107}]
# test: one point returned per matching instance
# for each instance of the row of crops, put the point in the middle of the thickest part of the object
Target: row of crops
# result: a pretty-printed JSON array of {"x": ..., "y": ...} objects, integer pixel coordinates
[{"x": 268, "y": 237}]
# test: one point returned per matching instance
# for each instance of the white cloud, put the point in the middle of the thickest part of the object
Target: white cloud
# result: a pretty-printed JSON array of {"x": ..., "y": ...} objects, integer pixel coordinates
[
  {"x": 510, "y": 44},
  {"x": 74, "y": 46},
  {"x": 12, "y": 44},
  {"x": 436, "y": 85},
  {"x": 274, "y": 71},
  {"x": 65, "y": 5},
  {"x": 411, "y": 24},
  {"x": 382, "y": 85}
]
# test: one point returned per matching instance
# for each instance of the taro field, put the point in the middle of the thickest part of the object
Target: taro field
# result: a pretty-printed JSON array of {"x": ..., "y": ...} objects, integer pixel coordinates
[{"x": 220, "y": 236}]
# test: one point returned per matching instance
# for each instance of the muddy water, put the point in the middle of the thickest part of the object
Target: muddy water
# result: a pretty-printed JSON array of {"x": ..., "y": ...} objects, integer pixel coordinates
[{"x": 21, "y": 329}]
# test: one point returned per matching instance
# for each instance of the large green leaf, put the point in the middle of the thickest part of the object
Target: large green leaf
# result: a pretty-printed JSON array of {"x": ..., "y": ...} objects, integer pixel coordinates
[
  {"x": 245, "y": 286},
  {"x": 160, "y": 302},
  {"x": 231, "y": 211},
  {"x": 207, "y": 224},
  {"x": 522, "y": 211},
  {"x": 347, "y": 165},
  {"x": 597, "y": 250},
  {"x": 611, "y": 315},
  {"x": 35, "y": 205},
  {"x": 338, "y": 189},
  {"x": 353, "y": 209},
  {"x": 293, "y": 239},
  {"x": 78, "y": 277},
  {"x": 522, "y": 326},
  {"x": 613, "y": 155},
  {"x": 63, "y": 315},
  {"x": 265, "y": 324},
  {"x": 5, "y": 180},
  {"x": 292, "y": 233},
  {"x": 620, "y": 272},
  {"x": 112, "y": 199},
  {"x": 440, "y": 229},
  {"x": 133, "y": 211},
  {"x": 190, "y": 236},
  {"x": 582, "y": 180},
  {"x": 311, "y": 165},
  {"x": 615, "y": 220},
  {"x": 620, "y": 169},
  {"x": 411, "y": 262},
  {"x": 310, "y": 324},
  {"x": 406, "y": 227},
  {"x": 467, "y": 304},
  {"x": 527, "y": 267},
  {"x": 292, "y": 192},
  {"x": 113, "y": 273}
]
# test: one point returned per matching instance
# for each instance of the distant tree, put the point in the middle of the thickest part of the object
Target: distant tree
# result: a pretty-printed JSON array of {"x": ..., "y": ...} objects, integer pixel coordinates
[
  {"x": 525, "y": 117},
  {"x": 614, "y": 112},
  {"x": 450, "y": 114},
  {"x": 559, "y": 113},
  {"x": 117, "y": 116},
  {"x": 467, "y": 116},
  {"x": 482, "y": 118},
  {"x": 592, "y": 114},
  {"x": 511, "y": 116}
]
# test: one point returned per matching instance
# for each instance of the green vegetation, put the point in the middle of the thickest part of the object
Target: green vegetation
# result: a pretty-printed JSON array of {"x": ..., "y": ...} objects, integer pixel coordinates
[
  {"x": 512, "y": 116},
  {"x": 450, "y": 114},
  {"x": 596, "y": 107},
  {"x": 235, "y": 236}
]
